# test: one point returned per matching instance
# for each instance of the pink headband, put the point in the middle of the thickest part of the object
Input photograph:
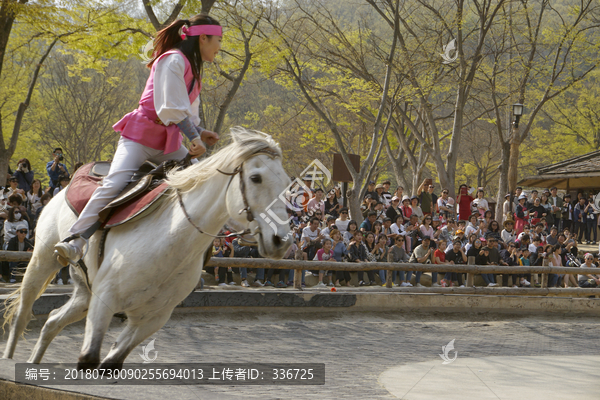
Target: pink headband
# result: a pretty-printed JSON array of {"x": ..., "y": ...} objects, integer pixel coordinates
[{"x": 197, "y": 30}]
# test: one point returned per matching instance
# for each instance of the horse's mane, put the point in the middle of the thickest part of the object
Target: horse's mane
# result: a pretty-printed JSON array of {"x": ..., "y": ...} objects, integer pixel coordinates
[{"x": 244, "y": 143}]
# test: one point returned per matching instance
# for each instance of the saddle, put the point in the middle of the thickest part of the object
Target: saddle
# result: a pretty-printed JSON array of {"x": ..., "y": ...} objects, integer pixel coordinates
[{"x": 142, "y": 195}]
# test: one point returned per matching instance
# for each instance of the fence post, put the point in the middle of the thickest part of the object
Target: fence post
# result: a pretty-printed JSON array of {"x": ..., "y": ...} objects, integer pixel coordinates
[
  {"x": 544, "y": 276},
  {"x": 388, "y": 278},
  {"x": 298, "y": 279},
  {"x": 470, "y": 276}
]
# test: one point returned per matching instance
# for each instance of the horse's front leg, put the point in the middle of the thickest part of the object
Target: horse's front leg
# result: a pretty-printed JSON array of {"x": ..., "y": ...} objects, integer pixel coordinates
[{"x": 102, "y": 308}]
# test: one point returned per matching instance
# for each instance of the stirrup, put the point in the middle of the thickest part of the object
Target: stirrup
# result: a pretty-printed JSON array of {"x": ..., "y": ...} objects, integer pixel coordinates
[{"x": 65, "y": 262}]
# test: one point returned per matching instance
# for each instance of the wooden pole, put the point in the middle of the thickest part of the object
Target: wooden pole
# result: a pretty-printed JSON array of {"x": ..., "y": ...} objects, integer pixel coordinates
[
  {"x": 388, "y": 278},
  {"x": 298, "y": 279},
  {"x": 545, "y": 276},
  {"x": 470, "y": 275}
]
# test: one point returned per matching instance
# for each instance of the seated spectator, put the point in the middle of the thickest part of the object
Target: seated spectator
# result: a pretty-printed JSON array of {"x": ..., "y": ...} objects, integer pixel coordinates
[
  {"x": 368, "y": 206},
  {"x": 226, "y": 274},
  {"x": 330, "y": 223},
  {"x": 406, "y": 209},
  {"x": 455, "y": 255},
  {"x": 381, "y": 255},
  {"x": 342, "y": 222},
  {"x": 340, "y": 253},
  {"x": 325, "y": 254},
  {"x": 357, "y": 252},
  {"x": 310, "y": 240},
  {"x": 397, "y": 227},
  {"x": 422, "y": 255},
  {"x": 445, "y": 206},
  {"x": 439, "y": 257},
  {"x": 588, "y": 280},
  {"x": 397, "y": 253},
  {"x": 393, "y": 211},
  {"x": 472, "y": 225},
  {"x": 19, "y": 243},
  {"x": 412, "y": 233},
  {"x": 14, "y": 189},
  {"x": 426, "y": 228},
  {"x": 367, "y": 224},
  {"x": 63, "y": 183},
  {"x": 34, "y": 197},
  {"x": 377, "y": 228},
  {"x": 447, "y": 233},
  {"x": 494, "y": 231},
  {"x": 350, "y": 231},
  {"x": 416, "y": 209},
  {"x": 24, "y": 175},
  {"x": 480, "y": 204},
  {"x": 15, "y": 218},
  {"x": 553, "y": 237},
  {"x": 332, "y": 206}
]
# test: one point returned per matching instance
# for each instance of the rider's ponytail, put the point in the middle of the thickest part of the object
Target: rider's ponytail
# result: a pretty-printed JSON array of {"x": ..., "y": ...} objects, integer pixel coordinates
[{"x": 170, "y": 38}]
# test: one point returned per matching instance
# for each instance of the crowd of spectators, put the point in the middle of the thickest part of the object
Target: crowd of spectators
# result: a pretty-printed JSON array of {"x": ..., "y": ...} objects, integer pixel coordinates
[
  {"x": 428, "y": 228},
  {"x": 23, "y": 200}
]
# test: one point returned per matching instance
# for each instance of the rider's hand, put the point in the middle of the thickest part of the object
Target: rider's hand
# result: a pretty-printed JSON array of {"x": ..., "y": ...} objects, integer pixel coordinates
[
  {"x": 208, "y": 137},
  {"x": 197, "y": 148}
]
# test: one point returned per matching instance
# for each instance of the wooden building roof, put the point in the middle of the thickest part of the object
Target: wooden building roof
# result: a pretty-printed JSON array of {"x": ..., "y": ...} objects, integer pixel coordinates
[{"x": 582, "y": 172}]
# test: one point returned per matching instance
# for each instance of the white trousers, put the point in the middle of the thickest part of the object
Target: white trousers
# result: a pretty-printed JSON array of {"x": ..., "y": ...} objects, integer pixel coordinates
[{"x": 128, "y": 158}]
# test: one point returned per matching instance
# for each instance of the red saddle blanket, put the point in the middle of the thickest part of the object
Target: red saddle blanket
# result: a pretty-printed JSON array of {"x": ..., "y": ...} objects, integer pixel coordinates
[{"x": 84, "y": 183}]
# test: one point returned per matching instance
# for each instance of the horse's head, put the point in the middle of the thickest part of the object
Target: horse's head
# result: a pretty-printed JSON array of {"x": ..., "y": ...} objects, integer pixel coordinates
[{"x": 260, "y": 186}]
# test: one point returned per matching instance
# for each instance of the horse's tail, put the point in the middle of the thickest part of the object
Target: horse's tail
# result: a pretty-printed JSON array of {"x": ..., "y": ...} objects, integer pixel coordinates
[{"x": 13, "y": 301}]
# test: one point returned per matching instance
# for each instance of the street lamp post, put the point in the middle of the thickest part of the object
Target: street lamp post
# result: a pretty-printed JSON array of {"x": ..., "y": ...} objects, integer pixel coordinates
[{"x": 517, "y": 113}]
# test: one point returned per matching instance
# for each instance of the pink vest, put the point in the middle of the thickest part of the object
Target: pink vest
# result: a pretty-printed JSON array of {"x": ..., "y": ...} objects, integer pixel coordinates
[{"x": 143, "y": 126}]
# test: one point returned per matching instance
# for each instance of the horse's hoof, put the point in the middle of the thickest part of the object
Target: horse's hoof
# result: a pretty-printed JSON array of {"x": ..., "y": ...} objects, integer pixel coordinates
[{"x": 85, "y": 362}]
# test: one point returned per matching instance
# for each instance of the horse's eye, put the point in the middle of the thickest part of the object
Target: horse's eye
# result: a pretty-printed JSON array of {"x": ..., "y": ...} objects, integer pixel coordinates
[{"x": 256, "y": 178}]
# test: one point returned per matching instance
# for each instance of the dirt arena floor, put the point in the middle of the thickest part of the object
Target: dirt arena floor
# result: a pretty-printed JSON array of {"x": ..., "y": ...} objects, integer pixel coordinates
[{"x": 357, "y": 349}]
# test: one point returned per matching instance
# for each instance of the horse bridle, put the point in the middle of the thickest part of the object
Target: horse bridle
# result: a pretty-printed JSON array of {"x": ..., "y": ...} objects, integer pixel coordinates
[{"x": 249, "y": 215}]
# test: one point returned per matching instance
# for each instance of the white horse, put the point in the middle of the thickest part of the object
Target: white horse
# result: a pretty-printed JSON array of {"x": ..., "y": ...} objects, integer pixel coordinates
[{"x": 152, "y": 264}]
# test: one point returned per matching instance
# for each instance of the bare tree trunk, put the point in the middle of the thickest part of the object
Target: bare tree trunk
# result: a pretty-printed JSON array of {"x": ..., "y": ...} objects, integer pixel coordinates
[
  {"x": 503, "y": 182},
  {"x": 513, "y": 164}
]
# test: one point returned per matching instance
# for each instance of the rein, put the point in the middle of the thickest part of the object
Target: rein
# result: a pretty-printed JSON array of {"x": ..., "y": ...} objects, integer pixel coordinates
[{"x": 249, "y": 215}]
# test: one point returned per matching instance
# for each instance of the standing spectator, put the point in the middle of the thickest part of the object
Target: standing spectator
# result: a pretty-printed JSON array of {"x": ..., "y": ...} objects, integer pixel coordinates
[
  {"x": 398, "y": 254},
  {"x": 342, "y": 222},
  {"x": 580, "y": 218},
  {"x": 537, "y": 211},
  {"x": 534, "y": 195},
  {"x": 56, "y": 169},
  {"x": 507, "y": 209},
  {"x": 422, "y": 255},
  {"x": 556, "y": 204},
  {"x": 464, "y": 201},
  {"x": 567, "y": 213},
  {"x": 444, "y": 206},
  {"x": 19, "y": 243},
  {"x": 427, "y": 198},
  {"x": 518, "y": 193},
  {"x": 399, "y": 192},
  {"x": 544, "y": 202},
  {"x": 387, "y": 196},
  {"x": 379, "y": 190},
  {"x": 592, "y": 221},
  {"x": 480, "y": 203},
  {"x": 24, "y": 174},
  {"x": 522, "y": 214},
  {"x": 371, "y": 190}
]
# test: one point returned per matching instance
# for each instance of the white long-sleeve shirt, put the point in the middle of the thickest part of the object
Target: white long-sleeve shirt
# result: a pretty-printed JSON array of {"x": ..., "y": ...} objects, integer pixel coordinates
[{"x": 171, "y": 98}]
